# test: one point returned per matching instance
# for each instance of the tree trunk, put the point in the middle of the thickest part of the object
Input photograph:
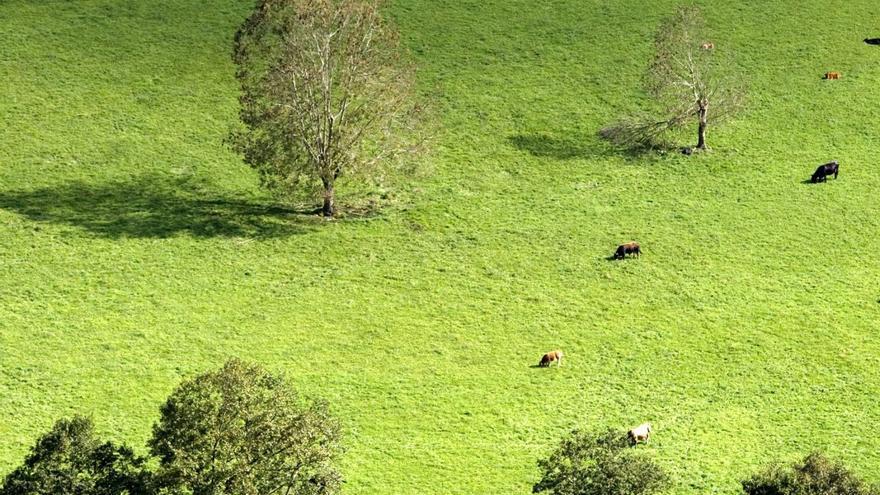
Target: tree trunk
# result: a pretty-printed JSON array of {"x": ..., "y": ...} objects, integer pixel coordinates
[
  {"x": 329, "y": 208},
  {"x": 704, "y": 123}
]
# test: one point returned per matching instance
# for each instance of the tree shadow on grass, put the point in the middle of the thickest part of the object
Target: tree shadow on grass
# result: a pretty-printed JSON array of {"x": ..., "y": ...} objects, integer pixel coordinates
[
  {"x": 573, "y": 147},
  {"x": 154, "y": 207},
  {"x": 544, "y": 145}
]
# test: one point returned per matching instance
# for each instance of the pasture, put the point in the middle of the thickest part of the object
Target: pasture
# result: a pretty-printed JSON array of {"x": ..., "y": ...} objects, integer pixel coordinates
[{"x": 136, "y": 249}]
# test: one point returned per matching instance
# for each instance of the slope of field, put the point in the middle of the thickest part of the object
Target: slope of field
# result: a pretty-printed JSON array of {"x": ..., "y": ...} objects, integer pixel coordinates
[{"x": 136, "y": 250}]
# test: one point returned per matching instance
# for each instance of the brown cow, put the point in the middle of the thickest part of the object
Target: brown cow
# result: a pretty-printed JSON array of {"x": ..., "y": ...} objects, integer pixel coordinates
[
  {"x": 707, "y": 46},
  {"x": 832, "y": 75},
  {"x": 628, "y": 248},
  {"x": 551, "y": 356}
]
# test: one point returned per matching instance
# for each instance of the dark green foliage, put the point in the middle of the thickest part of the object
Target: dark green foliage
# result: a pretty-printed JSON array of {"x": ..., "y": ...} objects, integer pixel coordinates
[
  {"x": 244, "y": 431},
  {"x": 589, "y": 463},
  {"x": 815, "y": 475},
  {"x": 69, "y": 459}
]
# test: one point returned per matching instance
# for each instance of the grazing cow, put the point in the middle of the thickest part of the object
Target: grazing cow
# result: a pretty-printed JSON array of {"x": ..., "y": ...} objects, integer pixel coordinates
[
  {"x": 551, "y": 356},
  {"x": 707, "y": 46},
  {"x": 628, "y": 248},
  {"x": 832, "y": 75},
  {"x": 821, "y": 174},
  {"x": 639, "y": 433},
  {"x": 872, "y": 41}
]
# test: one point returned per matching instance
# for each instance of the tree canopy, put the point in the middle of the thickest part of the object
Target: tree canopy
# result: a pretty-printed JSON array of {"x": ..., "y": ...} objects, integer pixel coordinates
[
  {"x": 814, "y": 475},
  {"x": 599, "y": 463},
  {"x": 326, "y": 93},
  {"x": 70, "y": 460},
  {"x": 241, "y": 430}
]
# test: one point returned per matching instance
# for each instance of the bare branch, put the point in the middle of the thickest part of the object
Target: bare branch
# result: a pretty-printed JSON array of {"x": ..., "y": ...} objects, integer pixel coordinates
[{"x": 684, "y": 80}]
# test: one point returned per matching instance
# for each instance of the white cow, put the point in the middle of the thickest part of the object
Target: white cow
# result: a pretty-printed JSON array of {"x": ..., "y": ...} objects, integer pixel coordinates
[{"x": 639, "y": 433}]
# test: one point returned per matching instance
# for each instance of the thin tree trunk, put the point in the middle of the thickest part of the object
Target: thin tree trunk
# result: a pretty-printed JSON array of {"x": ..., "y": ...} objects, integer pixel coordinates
[
  {"x": 329, "y": 208},
  {"x": 704, "y": 123}
]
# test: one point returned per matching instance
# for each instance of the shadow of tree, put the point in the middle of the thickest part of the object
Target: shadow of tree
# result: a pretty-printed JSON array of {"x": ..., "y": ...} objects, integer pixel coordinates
[
  {"x": 571, "y": 147},
  {"x": 544, "y": 145},
  {"x": 154, "y": 207}
]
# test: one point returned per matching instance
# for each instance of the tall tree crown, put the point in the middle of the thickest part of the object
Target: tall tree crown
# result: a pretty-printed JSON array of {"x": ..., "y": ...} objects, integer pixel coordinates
[{"x": 326, "y": 92}]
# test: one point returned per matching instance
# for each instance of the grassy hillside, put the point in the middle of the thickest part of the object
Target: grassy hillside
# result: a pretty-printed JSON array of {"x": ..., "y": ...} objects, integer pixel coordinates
[{"x": 136, "y": 250}]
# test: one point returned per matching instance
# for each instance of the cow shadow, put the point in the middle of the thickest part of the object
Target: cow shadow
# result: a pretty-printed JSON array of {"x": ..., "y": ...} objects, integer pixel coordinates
[
  {"x": 156, "y": 207},
  {"x": 613, "y": 258},
  {"x": 539, "y": 367}
]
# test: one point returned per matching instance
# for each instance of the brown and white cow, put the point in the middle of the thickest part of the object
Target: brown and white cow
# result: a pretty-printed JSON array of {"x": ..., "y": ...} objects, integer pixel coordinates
[
  {"x": 551, "y": 356},
  {"x": 639, "y": 433}
]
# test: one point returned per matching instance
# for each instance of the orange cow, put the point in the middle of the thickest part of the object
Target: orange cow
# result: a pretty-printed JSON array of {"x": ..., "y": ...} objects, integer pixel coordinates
[
  {"x": 832, "y": 75},
  {"x": 708, "y": 46}
]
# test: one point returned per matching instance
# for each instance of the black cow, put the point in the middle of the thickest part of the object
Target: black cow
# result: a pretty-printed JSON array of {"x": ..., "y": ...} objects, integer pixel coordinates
[
  {"x": 628, "y": 248},
  {"x": 872, "y": 41},
  {"x": 821, "y": 174}
]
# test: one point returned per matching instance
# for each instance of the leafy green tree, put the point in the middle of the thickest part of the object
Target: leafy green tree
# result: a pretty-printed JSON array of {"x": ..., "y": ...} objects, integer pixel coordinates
[
  {"x": 590, "y": 463},
  {"x": 814, "y": 475},
  {"x": 70, "y": 460},
  {"x": 244, "y": 431},
  {"x": 326, "y": 93}
]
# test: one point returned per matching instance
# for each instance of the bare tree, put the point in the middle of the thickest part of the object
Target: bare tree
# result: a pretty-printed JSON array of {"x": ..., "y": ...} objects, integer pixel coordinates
[
  {"x": 690, "y": 80},
  {"x": 325, "y": 93}
]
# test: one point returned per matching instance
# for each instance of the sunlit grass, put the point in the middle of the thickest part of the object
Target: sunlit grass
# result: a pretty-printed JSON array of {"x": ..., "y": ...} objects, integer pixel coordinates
[{"x": 135, "y": 249}]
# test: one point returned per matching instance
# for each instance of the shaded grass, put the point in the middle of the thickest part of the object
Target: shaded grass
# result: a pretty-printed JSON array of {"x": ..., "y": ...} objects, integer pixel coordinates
[
  {"x": 136, "y": 250},
  {"x": 151, "y": 206},
  {"x": 542, "y": 145}
]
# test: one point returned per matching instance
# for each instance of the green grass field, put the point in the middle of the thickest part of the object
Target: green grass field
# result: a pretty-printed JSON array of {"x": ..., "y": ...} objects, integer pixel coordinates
[{"x": 136, "y": 249}]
